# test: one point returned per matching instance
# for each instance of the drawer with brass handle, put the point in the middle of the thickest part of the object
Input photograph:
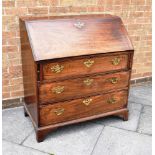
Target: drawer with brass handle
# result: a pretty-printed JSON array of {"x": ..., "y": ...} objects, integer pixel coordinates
[
  {"x": 69, "y": 68},
  {"x": 57, "y": 68},
  {"x": 116, "y": 61},
  {"x": 113, "y": 80},
  {"x": 81, "y": 87},
  {"x": 111, "y": 100},
  {"x": 58, "y": 89},
  {"x": 88, "y": 82},
  {"x": 88, "y": 63},
  {"x": 87, "y": 101},
  {"x": 71, "y": 110},
  {"x": 59, "y": 111}
]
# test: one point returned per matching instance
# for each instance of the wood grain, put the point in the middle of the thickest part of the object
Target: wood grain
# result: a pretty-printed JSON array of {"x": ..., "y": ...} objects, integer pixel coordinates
[
  {"x": 77, "y": 88},
  {"x": 61, "y": 38},
  {"x": 29, "y": 68},
  {"x": 59, "y": 89},
  {"x": 77, "y": 109},
  {"x": 76, "y": 67}
]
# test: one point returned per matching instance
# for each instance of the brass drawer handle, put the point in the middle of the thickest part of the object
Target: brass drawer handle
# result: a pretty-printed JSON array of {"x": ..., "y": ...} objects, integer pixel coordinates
[
  {"x": 111, "y": 100},
  {"x": 88, "y": 82},
  {"x": 57, "y": 68},
  {"x": 87, "y": 101},
  {"x": 116, "y": 61},
  {"x": 113, "y": 80},
  {"x": 79, "y": 24},
  {"x": 88, "y": 63},
  {"x": 59, "y": 111},
  {"x": 58, "y": 89}
]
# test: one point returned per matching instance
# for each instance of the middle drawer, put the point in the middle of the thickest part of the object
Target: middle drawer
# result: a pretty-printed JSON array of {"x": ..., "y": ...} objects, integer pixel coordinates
[{"x": 82, "y": 87}]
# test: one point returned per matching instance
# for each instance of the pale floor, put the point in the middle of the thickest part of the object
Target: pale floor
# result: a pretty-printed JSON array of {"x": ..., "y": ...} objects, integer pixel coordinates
[{"x": 105, "y": 136}]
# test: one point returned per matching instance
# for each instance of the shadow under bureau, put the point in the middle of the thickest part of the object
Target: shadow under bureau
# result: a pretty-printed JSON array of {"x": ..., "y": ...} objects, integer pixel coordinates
[{"x": 75, "y": 68}]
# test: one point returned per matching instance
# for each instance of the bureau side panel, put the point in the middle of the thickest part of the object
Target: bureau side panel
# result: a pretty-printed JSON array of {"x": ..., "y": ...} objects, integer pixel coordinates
[
  {"x": 29, "y": 67},
  {"x": 130, "y": 64}
]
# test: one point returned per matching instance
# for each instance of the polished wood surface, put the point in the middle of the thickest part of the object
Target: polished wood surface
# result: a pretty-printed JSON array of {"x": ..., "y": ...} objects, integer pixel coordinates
[
  {"x": 75, "y": 88},
  {"x": 76, "y": 109},
  {"x": 29, "y": 68},
  {"x": 65, "y": 37},
  {"x": 75, "y": 68}
]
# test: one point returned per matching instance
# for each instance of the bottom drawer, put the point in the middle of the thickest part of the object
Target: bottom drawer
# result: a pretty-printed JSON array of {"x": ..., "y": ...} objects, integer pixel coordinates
[{"x": 80, "y": 108}]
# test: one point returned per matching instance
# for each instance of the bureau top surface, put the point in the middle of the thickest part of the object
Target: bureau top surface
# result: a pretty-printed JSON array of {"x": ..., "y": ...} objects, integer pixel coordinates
[{"x": 66, "y": 36}]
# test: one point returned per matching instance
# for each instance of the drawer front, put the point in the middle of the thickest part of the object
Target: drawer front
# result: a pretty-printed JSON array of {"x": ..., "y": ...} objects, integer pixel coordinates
[
  {"x": 90, "y": 64},
  {"x": 69, "y": 89},
  {"x": 80, "y": 108}
]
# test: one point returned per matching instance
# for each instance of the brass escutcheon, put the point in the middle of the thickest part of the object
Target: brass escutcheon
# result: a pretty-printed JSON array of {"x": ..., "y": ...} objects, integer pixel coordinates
[
  {"x": 116, "y": 61},
  {"x": 57, "y": 68},
  {"x": 79, "y": 24},
  {"x": 59, "y": 111},
  {"x": 87, "y": 101},
  {"x": 88, "y": 82},
  {"x": 111, "y": 100},
  {"x": 113, "y": 80},
  {"x": 58, "y": 89},
  {"x": 88, "y": 63}
]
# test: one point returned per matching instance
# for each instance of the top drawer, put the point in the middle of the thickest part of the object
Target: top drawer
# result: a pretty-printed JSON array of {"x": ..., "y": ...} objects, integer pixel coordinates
[{"x": 71, "y": 67}]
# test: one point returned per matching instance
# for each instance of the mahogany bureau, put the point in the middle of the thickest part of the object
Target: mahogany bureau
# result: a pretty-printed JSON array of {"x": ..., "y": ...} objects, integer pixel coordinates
[{"x": 75, "y": 68}]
